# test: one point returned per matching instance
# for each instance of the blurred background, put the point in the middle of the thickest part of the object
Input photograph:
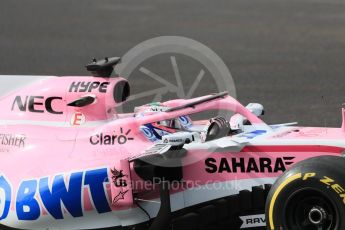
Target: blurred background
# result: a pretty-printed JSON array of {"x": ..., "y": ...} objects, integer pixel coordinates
[{"x": 288, "y": 55}]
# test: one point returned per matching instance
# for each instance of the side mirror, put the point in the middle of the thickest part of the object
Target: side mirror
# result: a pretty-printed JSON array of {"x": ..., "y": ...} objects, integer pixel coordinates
[
  {"x": 237, "y": 121},
  {"x": 83, "y": 101},
  {"x": 256, "y": 108}
]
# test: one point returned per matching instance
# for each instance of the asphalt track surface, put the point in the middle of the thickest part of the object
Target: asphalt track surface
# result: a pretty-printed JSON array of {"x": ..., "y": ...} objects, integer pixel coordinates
[{"x": 287, "y": 55}]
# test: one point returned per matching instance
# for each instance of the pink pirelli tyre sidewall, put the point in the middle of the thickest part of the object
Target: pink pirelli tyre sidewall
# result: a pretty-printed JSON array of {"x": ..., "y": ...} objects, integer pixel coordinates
[{"x": 311, "y": 195}]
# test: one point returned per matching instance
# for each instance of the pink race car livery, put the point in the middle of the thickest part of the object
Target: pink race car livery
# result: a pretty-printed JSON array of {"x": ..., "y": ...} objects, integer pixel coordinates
[{"x": 70, "y": 160}]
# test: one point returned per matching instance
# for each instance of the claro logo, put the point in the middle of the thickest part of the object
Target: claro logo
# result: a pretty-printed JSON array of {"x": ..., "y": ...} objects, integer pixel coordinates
[
  {"x": 36, "y": 104},
  {"x": 111, "y": 139},
  {"x": 250, "y": 165}
]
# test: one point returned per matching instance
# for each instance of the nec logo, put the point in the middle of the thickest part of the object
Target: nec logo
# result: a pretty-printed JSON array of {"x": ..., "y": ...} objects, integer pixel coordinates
[
  {"x": 84, "y": 87},
  {"x": 36, "y": 104}
]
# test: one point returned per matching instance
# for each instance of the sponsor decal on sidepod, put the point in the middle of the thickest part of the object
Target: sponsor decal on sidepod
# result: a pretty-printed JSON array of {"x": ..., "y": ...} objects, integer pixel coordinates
[
  {"x": 242, "y": 165},
  {"x": 53, "y": 193}
]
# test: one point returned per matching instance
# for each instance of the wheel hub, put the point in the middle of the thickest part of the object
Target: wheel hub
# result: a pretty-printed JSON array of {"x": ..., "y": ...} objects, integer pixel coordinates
[
  {"x": 309, "y": 209},
  {"x": 317, "y": 215}
]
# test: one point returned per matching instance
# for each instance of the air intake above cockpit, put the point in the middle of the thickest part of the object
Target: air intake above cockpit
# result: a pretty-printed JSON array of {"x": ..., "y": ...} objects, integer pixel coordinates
[{"x": 103, "y": 67}]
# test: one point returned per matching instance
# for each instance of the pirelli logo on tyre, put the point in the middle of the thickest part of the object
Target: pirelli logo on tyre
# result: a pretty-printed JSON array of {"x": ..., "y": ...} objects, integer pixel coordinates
[{"x": 329, "y": 182}]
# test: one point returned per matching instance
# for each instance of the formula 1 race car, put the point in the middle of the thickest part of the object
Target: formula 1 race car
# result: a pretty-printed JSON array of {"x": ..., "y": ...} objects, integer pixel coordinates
[{"x": 70, "y": 160}]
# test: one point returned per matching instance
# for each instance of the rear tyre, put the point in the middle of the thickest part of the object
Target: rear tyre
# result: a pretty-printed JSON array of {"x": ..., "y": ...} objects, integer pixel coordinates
[{"x": 311, "y": 195}]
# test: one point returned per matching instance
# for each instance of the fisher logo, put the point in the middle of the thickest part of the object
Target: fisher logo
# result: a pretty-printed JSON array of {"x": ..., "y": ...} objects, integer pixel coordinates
[
  {"x": 253, "y": 221},
  {"x": 89, "y": 87},
  {"x": 248, "y": 165},
  {"x": 117, "y": 177},
  {"x": 111, "y": 139},
  {"x": 36, "y": 104},
  {"x": 61, "y": 196},
  {"x": 12, "y": 140}
]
